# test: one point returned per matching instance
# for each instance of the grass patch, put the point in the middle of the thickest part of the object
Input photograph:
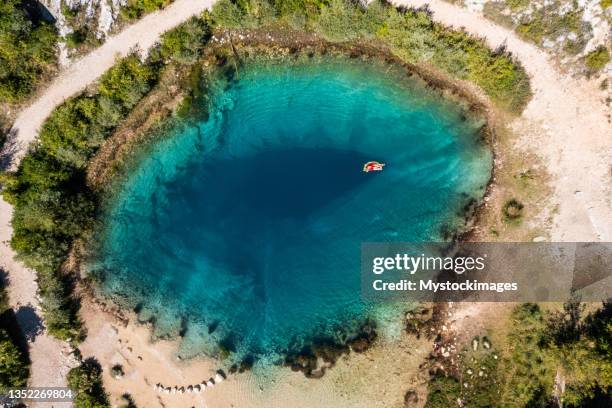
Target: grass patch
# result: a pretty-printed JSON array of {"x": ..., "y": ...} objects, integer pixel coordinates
[
  {"x": 597, "y": 59},
  {"x": 135, "y": 9},
  {"x": 443, "y": 392},
  {"x": 517, "y": 4}
]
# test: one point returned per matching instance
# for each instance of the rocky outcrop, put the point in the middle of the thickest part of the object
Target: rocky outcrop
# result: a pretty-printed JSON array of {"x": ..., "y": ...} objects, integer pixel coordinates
[
  {"x": 95, "y": 17},
  {"x": 315, "y": 359},
  {"x": 102, "y": 14}
]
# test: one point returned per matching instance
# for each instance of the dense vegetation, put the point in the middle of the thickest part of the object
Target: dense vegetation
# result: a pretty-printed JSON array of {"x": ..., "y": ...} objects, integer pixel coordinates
[
  {"x": 410, "y": 34},
  {"x": 542, "y": 347},
  {"x": 52, "y": 203},
  {"x": 86, "y": 381},
  {"x": 27, "y": 51},
  {"x": 14, "y": 362}
]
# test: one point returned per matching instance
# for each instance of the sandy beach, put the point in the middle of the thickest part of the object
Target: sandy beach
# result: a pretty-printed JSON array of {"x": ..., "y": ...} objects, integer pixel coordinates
[
  {"x": 566, "y": 124},
  {"x": 376, "y": 378}
]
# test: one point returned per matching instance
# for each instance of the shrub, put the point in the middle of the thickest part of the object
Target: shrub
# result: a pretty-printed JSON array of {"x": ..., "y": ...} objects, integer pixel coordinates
[
  {"x": 137, "y": 8},
  {"x": 605, "y": 3},
  {"x": 341, "y": 20},
  {"x": 117, "y": 371},
  {"x": 227, "y": 14},
  {"x": 184, "y": 44},
  {"x": 86, "y": 381},
  {"x": 127, "y": 401},
  {"x": 14, "y": 369},
  {"x": 597, "y": 59},
  {"x": 27, "y": 51},
  {"x": 513, "y": 210},
  {"x": 415, "y": 38},
  {"x": 544, "y": 23}
]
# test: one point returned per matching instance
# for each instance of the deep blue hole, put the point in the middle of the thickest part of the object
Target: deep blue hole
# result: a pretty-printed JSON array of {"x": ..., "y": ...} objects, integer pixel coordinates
[{"x": 243, "y": 230}]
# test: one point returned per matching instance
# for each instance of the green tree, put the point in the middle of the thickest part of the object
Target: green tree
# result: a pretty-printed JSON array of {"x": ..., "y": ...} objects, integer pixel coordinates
[
  {"x": 14, "y": 370},
  {"x": 52, "y": 203},
  {"x": 27, "y": 51},
  {"x": 86, "y": 381}
]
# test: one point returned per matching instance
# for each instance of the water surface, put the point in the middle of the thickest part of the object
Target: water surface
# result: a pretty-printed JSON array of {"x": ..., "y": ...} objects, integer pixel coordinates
[{"x": 241, "y": 230}]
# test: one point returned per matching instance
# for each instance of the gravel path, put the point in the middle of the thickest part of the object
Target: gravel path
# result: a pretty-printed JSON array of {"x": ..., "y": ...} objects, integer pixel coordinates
[{"x": 566, "y": 122}]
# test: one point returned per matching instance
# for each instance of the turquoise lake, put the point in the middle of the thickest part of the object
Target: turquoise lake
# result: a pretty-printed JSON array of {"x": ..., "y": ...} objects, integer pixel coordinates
[{"x": 240, "y": 229}]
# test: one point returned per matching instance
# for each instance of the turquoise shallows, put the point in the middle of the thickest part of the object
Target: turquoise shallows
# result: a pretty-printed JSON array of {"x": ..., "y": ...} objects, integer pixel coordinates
[{"x": 243, "y": 228}]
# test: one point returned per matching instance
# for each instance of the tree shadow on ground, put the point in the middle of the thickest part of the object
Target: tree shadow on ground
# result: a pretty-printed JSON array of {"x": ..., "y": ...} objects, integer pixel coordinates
[{"x": 31, "y": 324}]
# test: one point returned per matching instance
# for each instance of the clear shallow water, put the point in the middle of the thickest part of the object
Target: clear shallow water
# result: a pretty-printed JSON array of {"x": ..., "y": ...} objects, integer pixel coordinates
[{"x": 243, "y": 229}]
